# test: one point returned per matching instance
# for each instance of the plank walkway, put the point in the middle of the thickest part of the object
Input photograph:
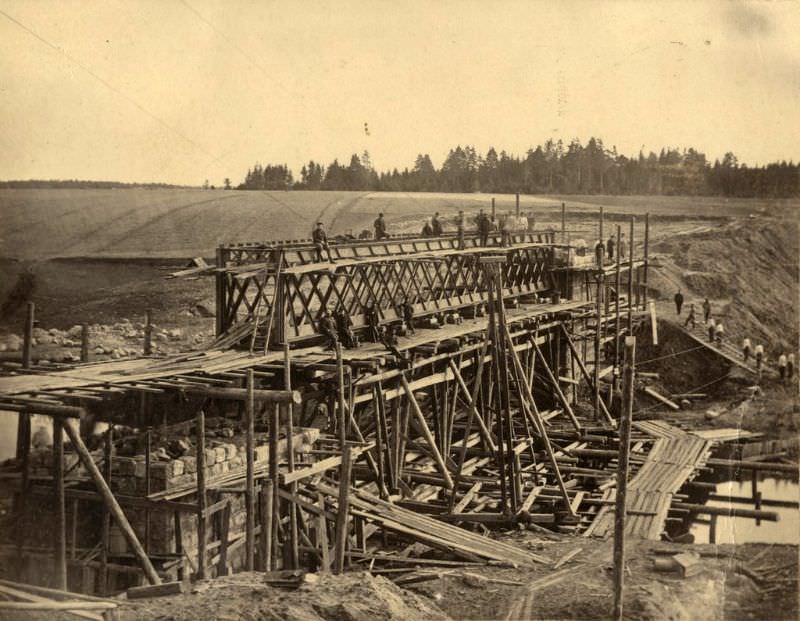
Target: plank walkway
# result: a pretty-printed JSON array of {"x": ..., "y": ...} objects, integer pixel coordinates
[
  {"x": 673, "y": 459},
  {"x": 728, "y": 349}
]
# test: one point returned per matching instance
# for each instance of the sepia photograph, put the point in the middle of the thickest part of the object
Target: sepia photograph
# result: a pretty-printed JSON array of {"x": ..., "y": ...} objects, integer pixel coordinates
[{"x": 443, "y": 310}]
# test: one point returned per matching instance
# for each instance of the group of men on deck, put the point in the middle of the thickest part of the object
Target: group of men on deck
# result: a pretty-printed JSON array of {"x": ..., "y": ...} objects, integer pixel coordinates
[
  {"x": 716, "y": 332},
  {"x": 508, "y": 225}
]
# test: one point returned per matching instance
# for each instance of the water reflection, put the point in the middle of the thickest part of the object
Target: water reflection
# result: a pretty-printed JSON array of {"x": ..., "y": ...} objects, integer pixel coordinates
[{"x": 744, "y": 530}]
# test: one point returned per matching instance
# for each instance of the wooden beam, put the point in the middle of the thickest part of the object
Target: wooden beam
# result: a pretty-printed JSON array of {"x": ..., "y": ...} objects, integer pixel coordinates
[
  {"x": 426, "y": 432},
  {"x": 60, "y": 526},
  {"x": 202, "y": 500},
  {"x": 241, "y": 394}
]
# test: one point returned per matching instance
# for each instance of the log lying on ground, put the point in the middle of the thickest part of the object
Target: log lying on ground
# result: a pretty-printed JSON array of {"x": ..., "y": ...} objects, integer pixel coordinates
[{"x": 662, "y": 399}]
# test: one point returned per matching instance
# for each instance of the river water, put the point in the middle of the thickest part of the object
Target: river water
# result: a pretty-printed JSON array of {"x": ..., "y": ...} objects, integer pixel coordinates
[{"x": 745, "y": 530}]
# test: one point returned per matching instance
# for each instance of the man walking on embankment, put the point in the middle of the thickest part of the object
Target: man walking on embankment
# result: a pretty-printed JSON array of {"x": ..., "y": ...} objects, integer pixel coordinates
[{"x": 678, "y": 301}]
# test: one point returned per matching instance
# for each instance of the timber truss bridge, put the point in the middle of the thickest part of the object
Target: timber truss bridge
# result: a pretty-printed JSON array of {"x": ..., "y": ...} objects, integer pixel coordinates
[{"x": 493, "y": 406}]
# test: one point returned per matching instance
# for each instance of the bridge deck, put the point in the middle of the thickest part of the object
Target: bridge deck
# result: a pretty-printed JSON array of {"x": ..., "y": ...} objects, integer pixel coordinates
[{"x": 673, "y": 459}]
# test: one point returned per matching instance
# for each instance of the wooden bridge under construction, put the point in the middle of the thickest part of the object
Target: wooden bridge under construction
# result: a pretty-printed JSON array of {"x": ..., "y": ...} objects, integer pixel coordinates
[{"x": 479, "y": 392}]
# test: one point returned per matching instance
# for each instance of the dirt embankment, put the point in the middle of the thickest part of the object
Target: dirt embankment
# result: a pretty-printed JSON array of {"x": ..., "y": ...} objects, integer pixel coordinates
[
  {"x": 349, "y": 597},
  {"x": 749, "y": 271}
]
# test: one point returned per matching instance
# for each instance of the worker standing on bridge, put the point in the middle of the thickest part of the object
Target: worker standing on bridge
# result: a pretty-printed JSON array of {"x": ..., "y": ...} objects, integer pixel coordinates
[
  {"x": 427, "y": 230},
  {"x": 507, "y": 223},
  {"x": 320, "y": 239},
  {"x": 746, "y": 349},
  {"x": 782, "y": 366},
  {"x": 407, "y": 310},
  {"x": 380, "y": 227},
  {"x": 711, "y": 326},
  {"x": 436, "y": 225},
  {"x": 622, "y": 245},
  {"x": 706, "y": 310},
  {"x": 460, "y": 229},
  {"x": 690, "y": 318},
  {"x": 678, "y": 301},
  {"x": 719, "y": 332},
  {"x": 599, "y": 253},
  {"x": 484, "y": 226},
  {"x": 790, "y": 366},
  {"x": 759, "y": 356},
  {"x": 610, "y": 248}
]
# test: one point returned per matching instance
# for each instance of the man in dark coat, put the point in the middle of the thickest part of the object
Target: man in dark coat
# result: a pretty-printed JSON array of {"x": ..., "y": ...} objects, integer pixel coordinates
[
  {"x": 678, "y": 301},
  {"x": 380, "y": 227}
]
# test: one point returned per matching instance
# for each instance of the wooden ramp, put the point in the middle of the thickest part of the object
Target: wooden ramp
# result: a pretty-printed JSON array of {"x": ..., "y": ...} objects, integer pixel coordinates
[
  {"x": 673, "y": 459},
  {"x": 725, "y": 349}
]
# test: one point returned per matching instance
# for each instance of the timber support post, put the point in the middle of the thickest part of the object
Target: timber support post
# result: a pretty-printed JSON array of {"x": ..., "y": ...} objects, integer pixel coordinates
[
  {"x": 622, "y": 475},
  {"x": 27, "y": 337}
]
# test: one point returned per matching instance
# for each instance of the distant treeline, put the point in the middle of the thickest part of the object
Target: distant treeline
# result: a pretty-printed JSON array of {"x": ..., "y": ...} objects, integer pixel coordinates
[
  {"x": 61, "y": 184},
  {"x": 549, "y": 168}
]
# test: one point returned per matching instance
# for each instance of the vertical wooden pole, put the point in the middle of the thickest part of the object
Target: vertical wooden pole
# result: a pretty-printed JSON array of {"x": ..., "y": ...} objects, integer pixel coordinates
[
  {"x": 563, "y": 223},
  {"x": 273, "y": 475},
  {"x": 646, "y": 256},
  {"x": 60, "y": 551},
  {"x": 622, "y": 475},
  {"x": 27, "y": 337},
  {"x": 85, "y": 342},
  {"x": 494, "y": 337},
  {"x": 266, "y": 526},
  {"x": 380, "y": 429},
  {"x": 600, "y": 230},
  {"x": 342, "y": 416},
  {"x": 219, "y": 321},
  {"x": 176, "y": 520},
  {"x": 597, "y": 336},
  {"x": 517, "y": 206},
  {"x": 148, "y": 448},
  {"x": 105, "y": 518},
  {"x": 500, "y": 328},
  {"x": 630, "y": 282},
  {"x": 249, "y": 493},
  {"x": 494, "y": 212},
  {"x": 224, "y": 522},
  {"x": 202, "y": 500},
  {"x": 343, "y": 510},
  {"x": 294, "y": 537},
  {"x": 617, "y": 286},
  {"x": 23, "y": 455},
  {"x": 148, "y": 332}
]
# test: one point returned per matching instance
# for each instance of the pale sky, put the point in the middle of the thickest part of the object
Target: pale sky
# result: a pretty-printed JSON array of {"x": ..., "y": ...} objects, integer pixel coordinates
[{"x": 183, "y": 90}]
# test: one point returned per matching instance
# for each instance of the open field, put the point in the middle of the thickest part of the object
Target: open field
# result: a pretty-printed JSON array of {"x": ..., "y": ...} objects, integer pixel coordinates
[{"x": 181, "y": 223}]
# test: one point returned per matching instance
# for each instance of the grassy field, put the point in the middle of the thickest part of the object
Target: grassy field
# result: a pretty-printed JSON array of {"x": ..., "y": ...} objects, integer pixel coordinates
[{"x": 178, "y": 223}]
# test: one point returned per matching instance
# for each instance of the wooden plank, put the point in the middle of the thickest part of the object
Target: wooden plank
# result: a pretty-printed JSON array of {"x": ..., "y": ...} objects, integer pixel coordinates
[{"x": 662, "y": 399}]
